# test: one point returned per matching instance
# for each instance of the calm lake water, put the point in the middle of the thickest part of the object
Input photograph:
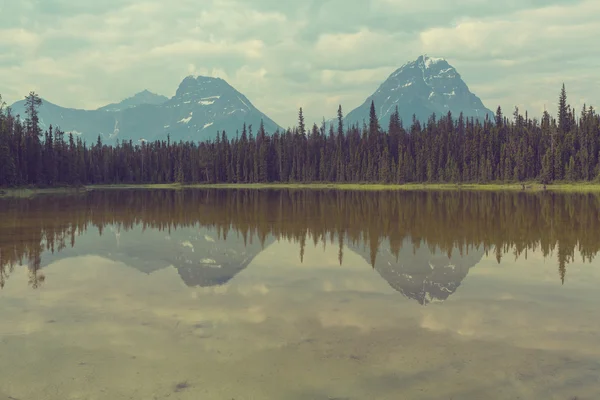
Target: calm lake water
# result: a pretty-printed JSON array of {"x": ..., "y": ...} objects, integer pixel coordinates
[{"x": 240, "y": 294}]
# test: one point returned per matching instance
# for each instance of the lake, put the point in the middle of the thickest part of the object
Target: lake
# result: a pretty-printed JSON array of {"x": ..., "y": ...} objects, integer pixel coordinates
[{"x": 300, "y": 294}]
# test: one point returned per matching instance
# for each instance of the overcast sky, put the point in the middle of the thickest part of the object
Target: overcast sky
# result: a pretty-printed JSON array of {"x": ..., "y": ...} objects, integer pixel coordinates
[{"x": 284, "y": 54}]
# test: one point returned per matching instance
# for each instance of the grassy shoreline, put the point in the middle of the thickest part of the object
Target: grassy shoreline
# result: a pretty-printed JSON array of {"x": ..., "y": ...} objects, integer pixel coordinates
[
  {"x": 583, "y": 187},
  {"x": 24, "y": 192}
]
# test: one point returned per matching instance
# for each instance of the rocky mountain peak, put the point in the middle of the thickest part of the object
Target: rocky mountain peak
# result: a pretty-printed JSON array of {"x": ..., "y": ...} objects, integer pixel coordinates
[
  {"x": 421, "y": 87},
  {"x": 138, "y": 99},
  {"x": 203, "y": 106},
  {"x": 196, "y": 85}
]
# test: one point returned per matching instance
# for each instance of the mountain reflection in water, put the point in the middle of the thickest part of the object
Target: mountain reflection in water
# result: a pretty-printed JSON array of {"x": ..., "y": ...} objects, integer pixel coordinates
[
  {"x": 299, "y": 294},
  {"x": 422, "y": 243}
]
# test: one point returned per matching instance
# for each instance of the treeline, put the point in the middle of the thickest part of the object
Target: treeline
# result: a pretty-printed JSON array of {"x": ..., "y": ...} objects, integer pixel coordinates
[
  {"x": 445, "y": 149},
  {"x": 563, "y": 227}
]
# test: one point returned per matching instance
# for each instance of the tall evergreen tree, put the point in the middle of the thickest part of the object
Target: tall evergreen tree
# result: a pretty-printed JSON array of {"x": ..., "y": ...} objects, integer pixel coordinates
[{"x": 563, "y": 111}]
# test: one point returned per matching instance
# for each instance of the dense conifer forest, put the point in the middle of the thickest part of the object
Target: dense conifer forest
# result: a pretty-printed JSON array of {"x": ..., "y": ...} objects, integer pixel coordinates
[{"x": 446, "y": 148}]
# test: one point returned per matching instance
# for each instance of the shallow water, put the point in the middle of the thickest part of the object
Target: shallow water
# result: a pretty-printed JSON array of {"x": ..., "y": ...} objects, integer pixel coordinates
[{"x": 156, "y": 294}]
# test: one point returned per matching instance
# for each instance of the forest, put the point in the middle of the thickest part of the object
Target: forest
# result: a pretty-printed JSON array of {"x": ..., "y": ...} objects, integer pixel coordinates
[{"x": 446, "y": 148}]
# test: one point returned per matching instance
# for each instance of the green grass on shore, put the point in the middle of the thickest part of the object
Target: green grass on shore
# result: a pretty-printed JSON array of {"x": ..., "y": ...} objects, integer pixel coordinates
[
  {"x": 498, "y": 186},
  {"x": 24, "y": 192},
  {"x": 583, "y": 187}
]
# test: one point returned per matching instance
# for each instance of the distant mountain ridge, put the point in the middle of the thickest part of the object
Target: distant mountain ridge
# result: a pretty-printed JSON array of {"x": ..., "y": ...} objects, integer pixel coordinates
[
  {"x": 204, "y": 106},
  {"x": 201, "y": 108},
  {"x": 421, "y": 87},
  {"x": 143, "y": 97},
  {"x": 201, "y": 257}
]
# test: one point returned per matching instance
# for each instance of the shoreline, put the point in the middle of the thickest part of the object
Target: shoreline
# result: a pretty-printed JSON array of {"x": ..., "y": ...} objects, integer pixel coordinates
[{"x": 579, "y": 187}]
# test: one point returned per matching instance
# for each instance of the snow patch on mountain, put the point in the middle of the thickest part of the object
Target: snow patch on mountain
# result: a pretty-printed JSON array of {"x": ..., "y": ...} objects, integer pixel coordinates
[
  {"x": 115, "y": 130},
  {"x": 186, "y": 119},
  {"x": 243, "y": 102}
]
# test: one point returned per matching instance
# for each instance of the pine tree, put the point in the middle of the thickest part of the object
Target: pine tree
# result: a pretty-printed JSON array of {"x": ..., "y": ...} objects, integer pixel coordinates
[
  {"x": 384, "y": 167},
  {"x": 563, "y": 112},
  {"x": 32, "y": 104},
  {"x": 571, "y": 170},
  {"x": 373, "y": 155},
  {"x": 373, "y": 121},
  {"x": 401, "y": 168},
  {"x": 8, "y": 170},
  {"x": 546, "y": 175},
  {"x": 263, "y": 162},
  {"x": 340, "y": 161},
  {"x": 301, "y": 126},
  {"x": 499, "y": 118}
]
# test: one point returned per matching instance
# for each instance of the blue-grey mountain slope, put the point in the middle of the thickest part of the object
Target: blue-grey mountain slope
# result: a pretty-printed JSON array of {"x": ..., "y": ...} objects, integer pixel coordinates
[
  {"x": 421, "y": 274},
  {"x": 85, "y": 123},
  {"x": 421, "y": 87},
  {"x": 201, "y": 107},
  {"x": 143, "y": 97}
]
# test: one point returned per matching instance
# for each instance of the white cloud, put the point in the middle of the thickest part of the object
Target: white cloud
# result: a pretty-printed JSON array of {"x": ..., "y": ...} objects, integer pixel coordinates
[
  {"x": 19, "y": 38},
  {"x": 287, "y": 55},
  {"x": 362, "y": 49},
  {"x": 215, "y": 72},
  {"x": 533, "y": 32},
  {"x": 412, "y": 7},
  {"x": 251, "y": 48},
  {"x": 369, "y": 76}
]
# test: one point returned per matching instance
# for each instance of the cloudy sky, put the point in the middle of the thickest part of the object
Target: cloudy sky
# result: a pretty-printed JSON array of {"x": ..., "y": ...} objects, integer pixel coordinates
[{"x": 284, "y": 55}]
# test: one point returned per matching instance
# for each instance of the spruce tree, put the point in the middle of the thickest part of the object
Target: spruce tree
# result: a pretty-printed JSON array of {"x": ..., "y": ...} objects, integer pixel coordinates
[
  {"x": 32, "y": 104},
  {"x": 563, "y": 112},
  {"x": 301, "y": 126},
  {"x": 8, "y": 170},
  {"x": 546, "y": 175},
  {"x": 373, "y": 121}
]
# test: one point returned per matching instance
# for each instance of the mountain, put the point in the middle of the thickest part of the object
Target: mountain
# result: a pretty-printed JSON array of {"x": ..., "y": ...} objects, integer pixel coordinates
[
  {"x": 202, "y": 107},
  {"x": 207, "y": 260},
  {"x": 421, "y": 274},
  {"x": 85, "y": 123},
  {"x": 144, "y": 97},
  {"x": 202, "y": 258},
  {"x": 421, "y": 87}
]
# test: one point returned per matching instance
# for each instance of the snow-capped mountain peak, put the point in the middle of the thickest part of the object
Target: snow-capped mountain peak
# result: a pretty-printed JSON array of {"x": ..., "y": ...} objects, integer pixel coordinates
[
  {"x": 207, "y": 104},
  {"x": 430, "y": 61},
  {"x": 421, "y": 87}
]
